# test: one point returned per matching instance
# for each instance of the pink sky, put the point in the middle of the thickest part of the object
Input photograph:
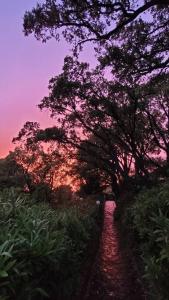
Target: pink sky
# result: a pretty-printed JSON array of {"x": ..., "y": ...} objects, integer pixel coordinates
[{"x": 26, "y": 65}]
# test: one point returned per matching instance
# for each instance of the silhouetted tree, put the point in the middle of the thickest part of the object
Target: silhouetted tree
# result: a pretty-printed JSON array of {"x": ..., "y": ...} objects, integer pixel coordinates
[
  {"x": 121, "y": 124},
  {"x": 40, "y": 162},
  {"x": 12, "y": 174},
  {"x": 94, "y": 20},
  {"x": 103, "y": 118}
]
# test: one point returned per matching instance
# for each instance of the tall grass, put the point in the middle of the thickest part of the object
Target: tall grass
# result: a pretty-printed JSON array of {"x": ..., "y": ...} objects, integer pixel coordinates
[
  {"x": 41, "y": 250},
  {"x": 149, "y": 218}
]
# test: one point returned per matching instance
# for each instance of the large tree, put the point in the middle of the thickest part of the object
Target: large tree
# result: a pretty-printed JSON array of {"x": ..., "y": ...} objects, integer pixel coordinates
[
  {"x": 103, "y": 118},
  {"x": 121, "y": 122}
]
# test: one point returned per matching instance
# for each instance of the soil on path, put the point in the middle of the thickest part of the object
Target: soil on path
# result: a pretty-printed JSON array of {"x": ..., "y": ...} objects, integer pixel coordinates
[{"x": 113, "y": 276}]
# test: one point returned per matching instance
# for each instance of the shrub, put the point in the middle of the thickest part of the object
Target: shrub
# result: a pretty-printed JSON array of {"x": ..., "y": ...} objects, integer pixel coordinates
[
  {"x": 42, "y": 193},
  {"x": 149, "y": 218},
  {"x": 62, "y": 195},
  {"x": 41, "y": 250}
]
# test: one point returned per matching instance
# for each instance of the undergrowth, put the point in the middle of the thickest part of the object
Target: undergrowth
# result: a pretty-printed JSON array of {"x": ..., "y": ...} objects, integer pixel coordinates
[
  {"x": 41, "y": 249},
  {"x": 148, "y": 219}
]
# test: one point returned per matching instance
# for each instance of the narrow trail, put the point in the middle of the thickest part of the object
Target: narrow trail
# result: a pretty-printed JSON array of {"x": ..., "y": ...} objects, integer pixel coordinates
[{"x": 113, "y": 277}]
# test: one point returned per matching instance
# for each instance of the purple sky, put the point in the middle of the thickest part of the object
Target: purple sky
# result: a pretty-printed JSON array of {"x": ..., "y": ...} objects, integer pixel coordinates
[{"x": 26, "y": 65}]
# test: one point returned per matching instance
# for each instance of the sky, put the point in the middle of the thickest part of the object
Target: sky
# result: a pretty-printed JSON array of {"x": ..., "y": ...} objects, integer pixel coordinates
[{"x": 26, "y": 65}]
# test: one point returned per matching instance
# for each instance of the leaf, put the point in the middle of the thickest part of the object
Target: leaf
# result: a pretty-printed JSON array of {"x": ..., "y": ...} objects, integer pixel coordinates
[
  {"x": 5, "y": 253},
  {"x": 10, "y": 265},
  {"x": 3, "y": 274},
  {"x": 42, "y": 292}
]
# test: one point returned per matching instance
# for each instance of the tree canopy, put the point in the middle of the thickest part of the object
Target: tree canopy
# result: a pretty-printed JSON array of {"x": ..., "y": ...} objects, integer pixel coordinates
[
  {"x": 116, "y": 124},
  {"x": 90, "y": 19}
]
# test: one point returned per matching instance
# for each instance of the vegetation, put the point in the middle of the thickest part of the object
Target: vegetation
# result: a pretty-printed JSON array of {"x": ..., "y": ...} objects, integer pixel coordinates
[
  {"x": 121, "y": 121},
  {"x": 12, "y": 174},
  {"x": 80, "y": 22},
  {"x": 148, "y": 219},
  {"x": 112, "y": 127},
  {"x": 41, "y": 250}
]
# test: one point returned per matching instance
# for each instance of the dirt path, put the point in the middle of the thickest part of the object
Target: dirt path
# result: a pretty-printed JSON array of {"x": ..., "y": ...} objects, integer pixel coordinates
[{"x": 113, "y": 276}]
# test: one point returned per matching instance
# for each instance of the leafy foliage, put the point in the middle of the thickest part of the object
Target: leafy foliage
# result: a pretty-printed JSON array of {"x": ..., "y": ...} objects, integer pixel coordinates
[
  {"x": 41, "y": 250},
  {"x": 122, "y": 123},
  {"x": 149, "y": 217},
  {"x": 90, "y": 20}
]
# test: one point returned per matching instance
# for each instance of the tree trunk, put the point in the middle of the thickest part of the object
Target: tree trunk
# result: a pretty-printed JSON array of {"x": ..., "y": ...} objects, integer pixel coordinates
[
  {"x": 115, "y": 186},
  {"x": 167, "y": 155}
]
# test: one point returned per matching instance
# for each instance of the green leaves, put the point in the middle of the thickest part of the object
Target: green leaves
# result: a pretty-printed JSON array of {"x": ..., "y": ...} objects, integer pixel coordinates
[
  {"x": 149, "y": 217},
  {"x": 3, "y": 274},
  {"x": 41, "y": 251}
]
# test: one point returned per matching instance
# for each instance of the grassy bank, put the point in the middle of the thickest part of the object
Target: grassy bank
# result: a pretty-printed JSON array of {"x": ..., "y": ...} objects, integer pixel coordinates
[
  {"x": 42, "y": 250},
  {"x": 145, "y": 227}
]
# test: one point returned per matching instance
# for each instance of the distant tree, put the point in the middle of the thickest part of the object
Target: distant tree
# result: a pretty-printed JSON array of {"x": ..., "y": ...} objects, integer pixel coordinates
[
  {"x": 12, "y": 174},
  {"x": 39, "y": 161},
  {"x": 47, "y": 161}
]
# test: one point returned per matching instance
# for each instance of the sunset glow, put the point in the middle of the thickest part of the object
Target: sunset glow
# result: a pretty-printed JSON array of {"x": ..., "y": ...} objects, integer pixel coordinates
[{"x": 26, "y": 67}]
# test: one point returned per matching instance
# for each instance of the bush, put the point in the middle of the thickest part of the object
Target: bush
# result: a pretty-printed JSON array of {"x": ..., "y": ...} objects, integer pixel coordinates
[
  {"x": 62, "y": 195},
  {"x": 149, "y": 218},
  {"x": 42, "y": 193},
  {"x": 41, "y": 250}
]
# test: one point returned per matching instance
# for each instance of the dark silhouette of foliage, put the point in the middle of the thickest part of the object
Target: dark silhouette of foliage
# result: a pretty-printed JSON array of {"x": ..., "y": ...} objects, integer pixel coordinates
[
  {"x": 122, "y": 123},
  {"x": 63, "y": 195},
  {"x": 12, "y": 174},
  {"x": 85, "y": 104},
  {"x": 92, "y": 20},
  {"x": 41, "y": 162}
]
